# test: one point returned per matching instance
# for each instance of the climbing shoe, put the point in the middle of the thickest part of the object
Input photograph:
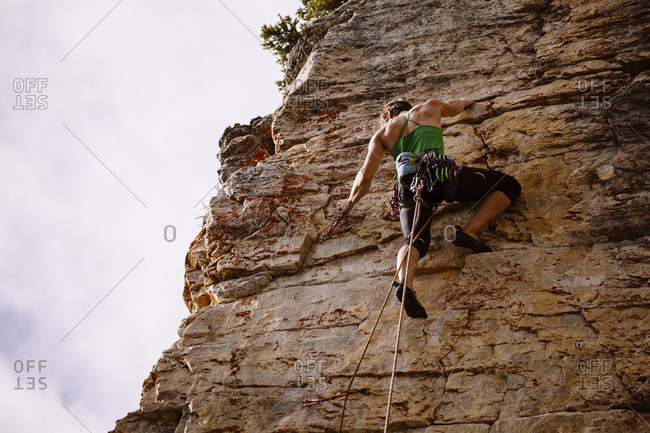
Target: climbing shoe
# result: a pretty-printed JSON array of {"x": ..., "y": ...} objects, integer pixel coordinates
[
  {"x": 465, "y": 240},
  {"x": 412, "y": 306}
]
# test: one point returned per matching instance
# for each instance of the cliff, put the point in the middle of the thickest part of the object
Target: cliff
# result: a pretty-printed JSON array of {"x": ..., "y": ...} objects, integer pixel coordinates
[{"x": 548, "y": 333}]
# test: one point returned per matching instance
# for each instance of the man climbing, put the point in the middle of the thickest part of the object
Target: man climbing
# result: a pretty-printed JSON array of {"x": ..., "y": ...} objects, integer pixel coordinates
[{"x": 407, "y": 133}]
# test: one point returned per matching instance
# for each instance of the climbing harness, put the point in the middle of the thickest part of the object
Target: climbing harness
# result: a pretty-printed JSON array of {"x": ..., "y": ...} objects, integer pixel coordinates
[
  {"x": 434, "y": 167},
  {"x": 313, "y": 401}
]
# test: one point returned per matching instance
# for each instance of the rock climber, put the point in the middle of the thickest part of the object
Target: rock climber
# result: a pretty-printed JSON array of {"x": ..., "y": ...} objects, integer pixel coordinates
[{"x": 408, "y": 130}]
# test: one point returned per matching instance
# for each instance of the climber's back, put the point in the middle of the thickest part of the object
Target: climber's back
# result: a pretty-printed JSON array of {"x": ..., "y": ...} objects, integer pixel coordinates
[{"x": 400, "y": 119}]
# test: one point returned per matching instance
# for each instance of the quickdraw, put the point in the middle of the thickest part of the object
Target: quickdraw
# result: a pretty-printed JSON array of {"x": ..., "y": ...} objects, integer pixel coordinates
[
  {"x": 336, "y": 223},
  {"x": 432, "y": 165},
  {"x": 394, "y": 204},
  {"x": 313, "y": 401},
  {"x": 436, "y": 167}
]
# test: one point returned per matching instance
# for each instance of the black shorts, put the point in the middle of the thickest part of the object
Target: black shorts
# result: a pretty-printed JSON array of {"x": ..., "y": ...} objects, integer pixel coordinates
[{"x": 473, "y": 184}]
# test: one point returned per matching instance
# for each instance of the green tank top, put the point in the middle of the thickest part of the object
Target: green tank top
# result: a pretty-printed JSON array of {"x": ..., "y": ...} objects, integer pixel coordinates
[{"x": 423, "y": 137}]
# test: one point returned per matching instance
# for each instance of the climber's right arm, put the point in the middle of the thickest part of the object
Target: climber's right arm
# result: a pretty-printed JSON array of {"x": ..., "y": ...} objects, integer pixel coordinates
[{"x": 452, "y": 108}]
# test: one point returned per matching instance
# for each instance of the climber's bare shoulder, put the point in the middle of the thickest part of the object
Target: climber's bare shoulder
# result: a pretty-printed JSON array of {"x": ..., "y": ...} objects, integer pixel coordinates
[
  {"x": 388, "y": 134},
  {"x": 429, "y": 113}
]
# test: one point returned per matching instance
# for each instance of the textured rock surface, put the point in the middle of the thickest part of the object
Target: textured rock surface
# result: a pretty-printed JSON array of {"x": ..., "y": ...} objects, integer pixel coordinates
[
  {"x": 548, "y": 333},
  {"x": 244, "y": 146}
]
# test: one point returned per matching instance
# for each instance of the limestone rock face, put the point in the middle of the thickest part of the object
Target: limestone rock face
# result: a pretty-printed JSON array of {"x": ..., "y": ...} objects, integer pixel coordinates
[
  {"x": 548, "y": 333},
  {"x": 244, "y": 146}
]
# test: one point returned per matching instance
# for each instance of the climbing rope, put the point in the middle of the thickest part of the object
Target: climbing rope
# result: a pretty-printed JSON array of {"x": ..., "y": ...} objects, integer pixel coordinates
[
  {"x": 381, "y": 310},
  {"x": 416, "y": 217},
  {"x": 430, "y": 168}
]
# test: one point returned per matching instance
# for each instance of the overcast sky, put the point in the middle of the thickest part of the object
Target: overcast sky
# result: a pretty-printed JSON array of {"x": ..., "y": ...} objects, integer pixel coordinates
[{"x": 110, "y": 117}]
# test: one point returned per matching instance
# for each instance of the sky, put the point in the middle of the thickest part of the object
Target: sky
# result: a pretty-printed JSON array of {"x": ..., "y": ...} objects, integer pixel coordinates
[{"x": 110, "y": 116}]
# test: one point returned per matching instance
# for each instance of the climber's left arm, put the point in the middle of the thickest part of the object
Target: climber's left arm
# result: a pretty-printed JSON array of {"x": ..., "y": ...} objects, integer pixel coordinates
[{"x": 362, "y": 182}]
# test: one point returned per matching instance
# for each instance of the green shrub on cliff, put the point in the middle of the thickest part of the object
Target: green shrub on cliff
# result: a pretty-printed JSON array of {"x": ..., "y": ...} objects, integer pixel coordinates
[
  {"x": 313, "y": 9},
  {"x": 282, "y": 36}
]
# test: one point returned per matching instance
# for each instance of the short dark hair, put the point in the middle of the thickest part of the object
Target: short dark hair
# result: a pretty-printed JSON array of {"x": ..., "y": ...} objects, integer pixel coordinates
[{"x": 394, "y": 108}]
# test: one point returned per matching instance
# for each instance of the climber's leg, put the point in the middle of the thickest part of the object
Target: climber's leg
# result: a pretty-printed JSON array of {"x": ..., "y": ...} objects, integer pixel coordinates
[
  {"x": 413, "y": 261},
  {"x": 491, "y": 207},
  {"x": 412, "y": 306},
  {"x": 422, "y": 242},
  {"x": 493, "y": 191},
  {"x": 412, "y": 250}
]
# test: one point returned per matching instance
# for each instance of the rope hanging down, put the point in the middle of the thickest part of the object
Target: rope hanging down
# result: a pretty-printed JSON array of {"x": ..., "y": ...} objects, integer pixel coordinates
[
  {"x": 433, "y": 168},
  {"x": 416, "y": 217},
  {"x": 381, "y": 310}
]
